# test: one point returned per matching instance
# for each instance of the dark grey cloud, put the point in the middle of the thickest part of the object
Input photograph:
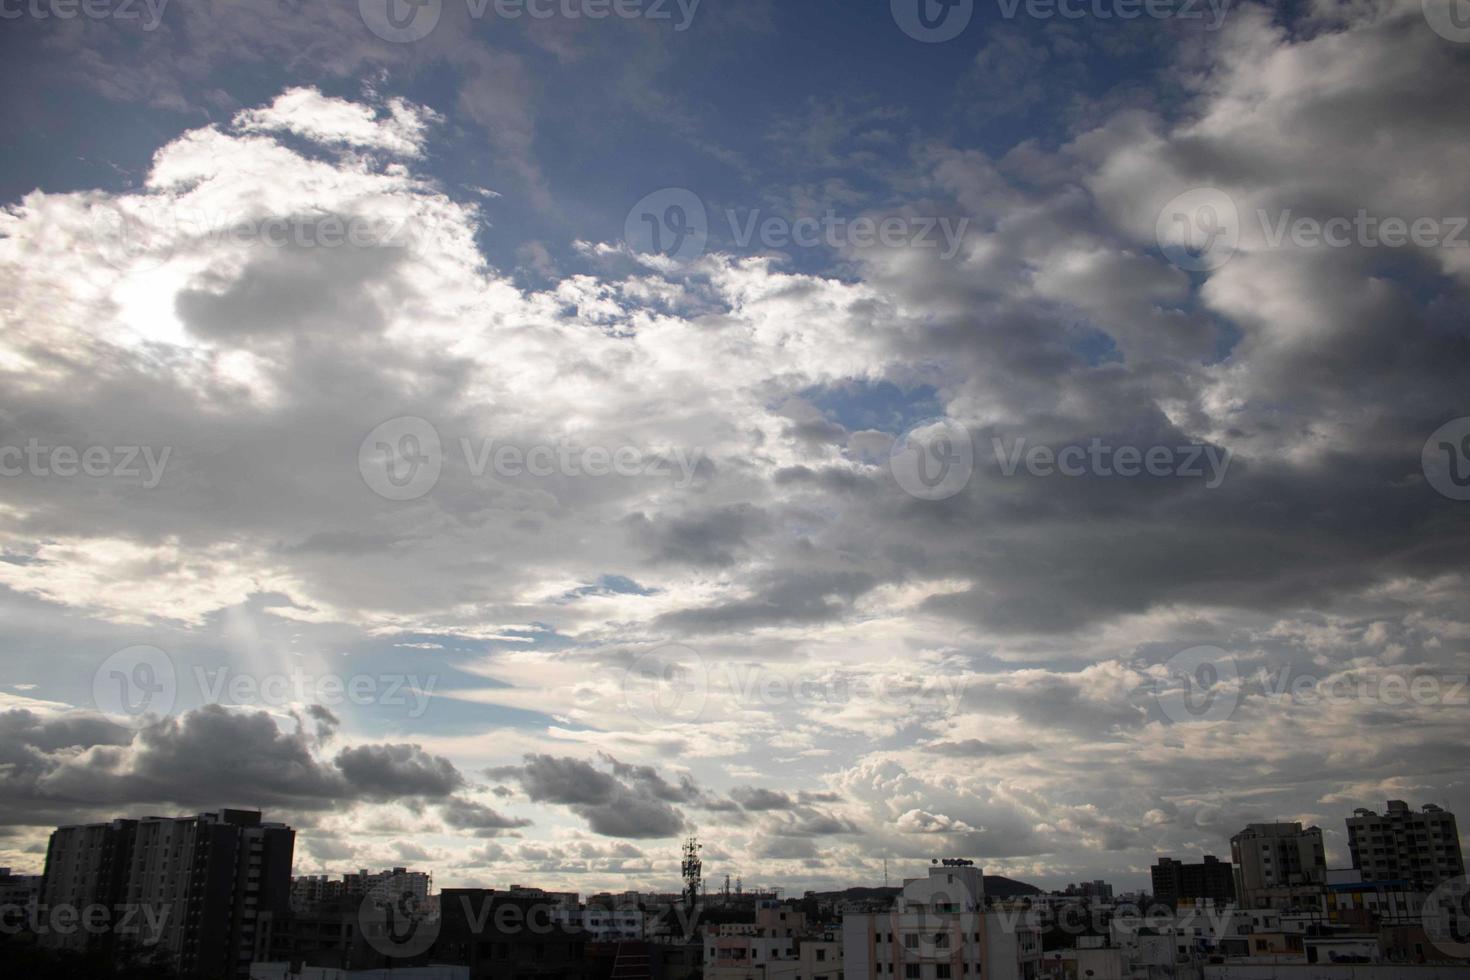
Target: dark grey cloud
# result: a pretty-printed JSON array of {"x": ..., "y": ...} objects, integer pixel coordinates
[
  {"x": 466, "y": 814},
  {"x": 756, "y": 798},
  {"x": 82, "y": 766},
  {"x": 714, "y": 537},
  {"x": 631, "y": 801},
  {"x": 393, "y": 771}
]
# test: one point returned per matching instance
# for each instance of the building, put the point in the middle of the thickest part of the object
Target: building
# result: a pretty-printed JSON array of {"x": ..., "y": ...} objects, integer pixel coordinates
[
  {"x": 18, "y": 892},
  {"x": 401, "y": 880},
  {"x": 1175, "y": 882},
  {"x": 286, "y": 971},
  {"x": 1402, "y": 845},
  {"x": 600, "y": 923},
  {"x": 1353, "y": 902},
  {"x": 1278, "y": 865},
  {"x": 1091, "y": 891},
  {"x": 769, "y": 947},
  {"x": 939, "y": 928},
  {"x": 85, "y": 868},
  {"x": 819, "y": 957},
  {"x": 312, "y": 890},
  {"x": 735, "y": 956},
  {"x": 194, "y": 888},
  {"x": 501, "y": 936}
]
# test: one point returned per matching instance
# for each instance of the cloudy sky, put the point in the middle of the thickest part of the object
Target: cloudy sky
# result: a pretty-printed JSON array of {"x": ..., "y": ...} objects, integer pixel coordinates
[{"x": 845, "y": 430}]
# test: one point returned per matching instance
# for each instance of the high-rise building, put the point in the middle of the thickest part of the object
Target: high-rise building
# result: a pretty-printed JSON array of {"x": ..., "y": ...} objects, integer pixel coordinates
[
  {"x": 194, "y": 887},
  {"x": 1278, "y": 864},
  {"x": 1175, "y": 882},
  {"x": 1401, "y": 845},
  {"x": 86, "y": 867}
]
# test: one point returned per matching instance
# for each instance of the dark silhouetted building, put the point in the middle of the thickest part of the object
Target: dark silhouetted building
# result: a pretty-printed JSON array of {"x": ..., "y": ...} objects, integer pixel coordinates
[
  {"x": 198, "y": 888},
  {"x": 1175, "y": 882}
]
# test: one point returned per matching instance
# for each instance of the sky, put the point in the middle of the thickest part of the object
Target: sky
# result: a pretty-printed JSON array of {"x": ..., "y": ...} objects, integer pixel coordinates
[{"x": 506, "y": 438}]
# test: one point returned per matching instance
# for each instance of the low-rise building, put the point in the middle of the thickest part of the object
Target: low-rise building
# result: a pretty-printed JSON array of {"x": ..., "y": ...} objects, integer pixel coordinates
[{"x": 940, "y": 928}]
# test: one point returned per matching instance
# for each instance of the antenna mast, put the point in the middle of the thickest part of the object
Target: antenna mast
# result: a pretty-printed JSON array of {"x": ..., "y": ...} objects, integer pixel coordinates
[{"x": 693, "y": 868}]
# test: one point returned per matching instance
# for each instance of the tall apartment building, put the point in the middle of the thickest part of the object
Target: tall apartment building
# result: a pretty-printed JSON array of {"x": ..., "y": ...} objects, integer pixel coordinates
[
  {"x": 85, "y": 868},
  {"x": 939, "y": 928},
  {"x": 194, "y": 887},
  {"x": 1401, "y": 845},
  {"x": 1278, "y": 864},
  {"x": 1175, "y": 882}
]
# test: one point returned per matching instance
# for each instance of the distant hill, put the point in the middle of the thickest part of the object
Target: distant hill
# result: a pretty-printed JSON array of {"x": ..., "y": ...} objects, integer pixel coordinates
[
  {"x": 996, "y": 886},
  {"x": 999, "y": 886}
]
